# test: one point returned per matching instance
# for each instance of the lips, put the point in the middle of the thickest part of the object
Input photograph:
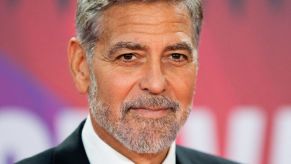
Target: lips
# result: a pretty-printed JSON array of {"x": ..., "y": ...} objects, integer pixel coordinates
[
  {"x": 151, "y": 108},
  {"x": 150, "y": 112}
]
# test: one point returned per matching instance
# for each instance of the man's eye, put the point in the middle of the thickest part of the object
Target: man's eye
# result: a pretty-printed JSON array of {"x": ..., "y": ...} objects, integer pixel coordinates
[
  {"x": 178, "y": 57},
  {"x": 127, "y": 57}
]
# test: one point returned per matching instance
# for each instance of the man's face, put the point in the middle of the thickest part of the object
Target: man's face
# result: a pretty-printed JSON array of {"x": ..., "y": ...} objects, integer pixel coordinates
[{"x": 144, "y": 73}]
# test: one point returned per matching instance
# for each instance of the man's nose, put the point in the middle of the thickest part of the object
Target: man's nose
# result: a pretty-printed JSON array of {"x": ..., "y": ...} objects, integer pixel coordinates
[{"x": 154, "y": 80}]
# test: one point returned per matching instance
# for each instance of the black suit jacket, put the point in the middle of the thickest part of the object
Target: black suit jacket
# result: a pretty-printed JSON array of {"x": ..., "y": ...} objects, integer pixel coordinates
[{"x": 72, "y": 151}]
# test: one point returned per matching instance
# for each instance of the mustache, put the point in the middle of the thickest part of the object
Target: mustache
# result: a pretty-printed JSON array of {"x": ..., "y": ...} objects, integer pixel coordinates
[{"x": 150, "y": 101}]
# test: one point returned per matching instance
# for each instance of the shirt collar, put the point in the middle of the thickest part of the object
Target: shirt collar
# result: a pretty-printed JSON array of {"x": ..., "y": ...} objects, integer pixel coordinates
[{"x": 100, "y": 152}]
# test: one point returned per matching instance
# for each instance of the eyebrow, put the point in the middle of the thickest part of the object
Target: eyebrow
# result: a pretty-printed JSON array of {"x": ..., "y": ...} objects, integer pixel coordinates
[
  {"x": 125, "y": 45},
  {"x": 136, "y": 46},
  {"x": 180, "y": 46}
]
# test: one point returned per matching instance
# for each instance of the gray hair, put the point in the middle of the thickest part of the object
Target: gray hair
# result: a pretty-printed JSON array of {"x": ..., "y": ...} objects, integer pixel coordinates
[{"x": 89, "y": 17}]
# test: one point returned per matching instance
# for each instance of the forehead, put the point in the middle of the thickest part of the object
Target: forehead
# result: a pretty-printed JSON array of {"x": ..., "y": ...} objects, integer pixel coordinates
[{"x": 136, "y": 19}]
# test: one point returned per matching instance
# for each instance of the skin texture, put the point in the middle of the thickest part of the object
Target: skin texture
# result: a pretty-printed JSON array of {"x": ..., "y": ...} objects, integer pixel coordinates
[{"x": 145, "y": 50}]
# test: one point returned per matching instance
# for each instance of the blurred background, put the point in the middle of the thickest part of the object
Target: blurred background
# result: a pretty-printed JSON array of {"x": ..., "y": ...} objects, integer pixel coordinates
[{"x": 242, "y": 107}]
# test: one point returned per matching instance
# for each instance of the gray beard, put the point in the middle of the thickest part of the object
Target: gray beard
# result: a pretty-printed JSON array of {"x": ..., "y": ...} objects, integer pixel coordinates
[{"x": 138, "y": 134}]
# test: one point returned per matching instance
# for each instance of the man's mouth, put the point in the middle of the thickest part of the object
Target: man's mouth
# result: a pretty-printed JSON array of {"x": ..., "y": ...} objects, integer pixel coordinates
[{"x": 151, "y": 112}]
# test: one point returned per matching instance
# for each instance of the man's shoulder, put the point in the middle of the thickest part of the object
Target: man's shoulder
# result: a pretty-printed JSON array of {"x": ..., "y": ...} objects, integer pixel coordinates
[
  {"x": 187, "y": 155},
  {"x": 45, "y": 157},
  {"x": 70, "y": 151}
]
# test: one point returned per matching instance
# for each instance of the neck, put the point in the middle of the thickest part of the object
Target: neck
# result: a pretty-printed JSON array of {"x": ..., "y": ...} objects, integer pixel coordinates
[{"x": 139, "y": 158}]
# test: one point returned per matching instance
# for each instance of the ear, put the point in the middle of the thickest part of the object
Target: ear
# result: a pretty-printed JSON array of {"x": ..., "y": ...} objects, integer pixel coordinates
[{"x": 78, "y": 65}]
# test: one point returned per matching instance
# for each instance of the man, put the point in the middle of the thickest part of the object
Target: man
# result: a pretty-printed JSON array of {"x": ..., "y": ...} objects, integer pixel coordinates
[{"x": 138, "y": 62}]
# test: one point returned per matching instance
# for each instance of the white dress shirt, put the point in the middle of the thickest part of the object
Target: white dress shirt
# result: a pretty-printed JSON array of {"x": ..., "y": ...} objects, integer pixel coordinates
[{"x": 100, "y": 152}]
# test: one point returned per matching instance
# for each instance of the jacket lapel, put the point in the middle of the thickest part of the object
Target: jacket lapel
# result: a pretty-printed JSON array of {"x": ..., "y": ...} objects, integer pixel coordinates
[
  {"x": 71, "y": 150},
  {"x": 181, "y": 157}
]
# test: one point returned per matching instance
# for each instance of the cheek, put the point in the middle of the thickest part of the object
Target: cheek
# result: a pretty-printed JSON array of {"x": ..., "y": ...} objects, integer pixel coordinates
[
  {"x": 183, "y": 84},
  {"x": 114, "y": 87}
]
